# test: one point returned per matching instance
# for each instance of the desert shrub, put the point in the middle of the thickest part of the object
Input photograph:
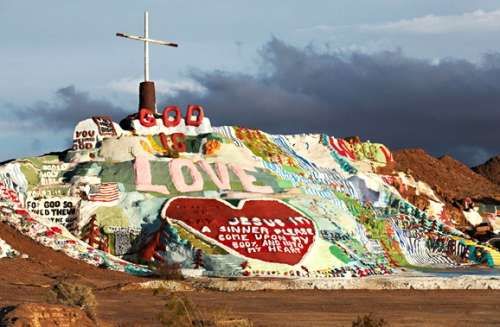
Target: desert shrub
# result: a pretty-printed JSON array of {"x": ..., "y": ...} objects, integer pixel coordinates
[
  {"x": 180, "y": 311},
  {"x": 226, "y": 318},
  {"x": 74, "y": 295},
  {"x": 369, "y": 320}
]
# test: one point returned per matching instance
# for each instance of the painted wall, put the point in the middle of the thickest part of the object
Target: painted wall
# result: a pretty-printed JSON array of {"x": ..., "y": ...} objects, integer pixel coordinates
[{"x": 238, "y": 202}]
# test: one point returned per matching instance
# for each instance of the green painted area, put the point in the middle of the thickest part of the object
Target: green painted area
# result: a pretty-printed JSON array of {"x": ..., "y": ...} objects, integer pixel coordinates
[
  {"x": 339, "y": 254},
  {"x": 284, "y": 184},
  {"x": 80, "y": 170},
  {"x": 265, "y": 178},
  {"x": 31, "y": 175},
  {"x": 392, "y": 249},
  {"x": 196, "y": 242},
  {"x": 39, "y": 161},
  {"x": 160, "y": 175},
  {"x": 356, "y": 246},
  {"x": 187, "y": 176},
  {"x": 233, "y": 202},
  {"x": 193, "y": 143},
  {"x": 235, "y": 182},
  {"x": 293, "y": 170},
  {"x": 375, "y": 227},
  {"x": 354, "y": 206},
  {"x": 121, "y": 172},
  {"x": 217, "y": 137},
  {"x": 111, "y": 216}
]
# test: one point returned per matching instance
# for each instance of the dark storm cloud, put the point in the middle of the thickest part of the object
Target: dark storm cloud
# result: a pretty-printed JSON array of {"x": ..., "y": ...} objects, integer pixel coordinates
[
  {"x": 70, "y": 107},
  {"x": 449, "y": 107}
]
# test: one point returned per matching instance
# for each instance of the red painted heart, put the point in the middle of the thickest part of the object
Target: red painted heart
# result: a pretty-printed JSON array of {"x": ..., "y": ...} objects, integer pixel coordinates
[{"x": 267, "y": 230}]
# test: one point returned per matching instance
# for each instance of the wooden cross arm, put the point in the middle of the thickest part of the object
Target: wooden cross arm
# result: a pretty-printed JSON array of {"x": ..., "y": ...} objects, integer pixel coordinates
[{"x": 142, "y": 38}]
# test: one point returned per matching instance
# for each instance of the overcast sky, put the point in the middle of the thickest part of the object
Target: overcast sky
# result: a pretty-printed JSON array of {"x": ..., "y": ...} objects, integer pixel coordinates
[{"x": 420, "y": 73}]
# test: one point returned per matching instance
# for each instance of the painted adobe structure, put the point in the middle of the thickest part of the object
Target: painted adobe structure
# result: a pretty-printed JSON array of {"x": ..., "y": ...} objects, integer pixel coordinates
[{"x": 231, "y": 201}]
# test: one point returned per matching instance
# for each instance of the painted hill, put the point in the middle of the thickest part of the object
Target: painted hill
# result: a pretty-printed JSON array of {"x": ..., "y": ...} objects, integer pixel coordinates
[
  {"x": 231, "y": 201},
  {"x": 490, "y": 169}
]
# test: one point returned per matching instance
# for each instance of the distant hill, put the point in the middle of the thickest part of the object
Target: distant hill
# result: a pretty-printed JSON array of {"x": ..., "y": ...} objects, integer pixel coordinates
[
  {"x": 450, "y": 178},
  {"x": 490, "y": 169}
]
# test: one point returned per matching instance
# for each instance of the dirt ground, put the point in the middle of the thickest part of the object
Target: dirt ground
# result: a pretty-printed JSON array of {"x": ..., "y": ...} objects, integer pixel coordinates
[
  {"x": 340, "y": 308},
  {"x": 294, "y": 308},
  {"x": 29, "y": 281},
  {"x": 321, "y": 308}
]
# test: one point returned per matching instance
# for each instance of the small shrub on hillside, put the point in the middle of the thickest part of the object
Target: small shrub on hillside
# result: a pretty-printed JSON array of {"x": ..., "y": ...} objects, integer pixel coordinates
[
  {"x": 369, "y": 321},
  {"x": 179, "y": 311},
  {"x": 74, "y": 295},
  {"x": 226, "y": 318}
]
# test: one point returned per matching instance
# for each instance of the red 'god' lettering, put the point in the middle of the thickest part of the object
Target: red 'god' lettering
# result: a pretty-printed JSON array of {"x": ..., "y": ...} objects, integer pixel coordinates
[{"x": 194, "y": 116}]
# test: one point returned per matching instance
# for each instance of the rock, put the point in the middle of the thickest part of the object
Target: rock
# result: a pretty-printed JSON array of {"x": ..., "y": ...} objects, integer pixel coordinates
[{"x": 44, "y": 315}]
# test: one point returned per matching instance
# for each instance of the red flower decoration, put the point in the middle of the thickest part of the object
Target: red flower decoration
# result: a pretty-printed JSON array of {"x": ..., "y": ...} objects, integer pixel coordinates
[{"x": 56, "y": 230}]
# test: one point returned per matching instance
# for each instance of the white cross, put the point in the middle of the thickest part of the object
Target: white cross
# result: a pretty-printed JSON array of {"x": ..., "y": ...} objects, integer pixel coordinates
[{"x": 146, "y": 41}]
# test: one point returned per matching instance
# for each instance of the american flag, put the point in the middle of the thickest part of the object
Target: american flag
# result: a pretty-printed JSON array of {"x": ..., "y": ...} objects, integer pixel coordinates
[{"x": 107, "y": 192}]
